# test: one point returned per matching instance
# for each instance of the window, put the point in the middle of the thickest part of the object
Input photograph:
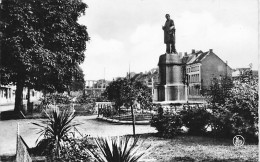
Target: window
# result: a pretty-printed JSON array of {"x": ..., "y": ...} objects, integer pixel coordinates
[
  {"x": 194, "y": 68},
  {"x": 188, "y": 70}
]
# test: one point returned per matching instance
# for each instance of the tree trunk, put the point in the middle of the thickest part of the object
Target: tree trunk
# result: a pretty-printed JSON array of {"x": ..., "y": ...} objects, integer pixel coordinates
[
  {"x": 19, "y": 96},
  {"x": 84, "y": 93},
  {"x": 68, "y": 90},
  {"x": 28, "y": 98},
  {"x": 133, "y": 119}
]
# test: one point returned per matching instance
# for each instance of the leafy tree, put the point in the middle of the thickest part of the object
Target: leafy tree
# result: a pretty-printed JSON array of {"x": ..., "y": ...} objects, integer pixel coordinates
[
  {"x": 219, "y": 90},
  {"x": 127, "y": 92},
  {"x": 145, "y": 96},
  {"x": 113, "y": 92},
  {"x": 42, "y": 44},
  {"x": 239, "y": 112},
  {"x": 78, "y": 82},
  {"x": 118, "y": 90},
  {"x": 130, "y": 93}
]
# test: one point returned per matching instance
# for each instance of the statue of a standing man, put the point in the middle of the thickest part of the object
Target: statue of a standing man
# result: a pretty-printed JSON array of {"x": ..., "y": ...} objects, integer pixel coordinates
[{"x": 169, "y": 34}]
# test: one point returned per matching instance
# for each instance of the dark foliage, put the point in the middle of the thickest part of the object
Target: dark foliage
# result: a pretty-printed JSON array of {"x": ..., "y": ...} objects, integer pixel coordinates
[
  {"x": 114, "y": 93},
  {"x": 78, "y": 82},
  {"x": 196, "y": 119},
  {"x": 54, "y": 131},
  {"x": 168, "y": 124},
  {"x": 56, "y": 99},
  {"x": 85, "y": 99},
  {"x": 219, "y": 90},
  {"x": 121, "y": 149},
  {"x": 42, "y": 44},
  {"x": 239, "y": 112},
  {"x": 127, "y": 91},
  {"x": 76, "y": 150}
]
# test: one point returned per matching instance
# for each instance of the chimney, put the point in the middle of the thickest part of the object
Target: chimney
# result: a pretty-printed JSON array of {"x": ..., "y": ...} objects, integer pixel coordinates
[
  {"x": 192, "y": 51},
  {"x": 210, "y": 50}
]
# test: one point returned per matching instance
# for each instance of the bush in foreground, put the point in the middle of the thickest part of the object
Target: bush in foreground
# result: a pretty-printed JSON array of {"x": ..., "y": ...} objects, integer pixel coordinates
[
  {"x": 54, "y": 132},
  {"x": 167, "y": 123},
  {"x": 196, "y": 119},
  {"x": 121, "y": 149},
  {"x": 238, "y": 113}
]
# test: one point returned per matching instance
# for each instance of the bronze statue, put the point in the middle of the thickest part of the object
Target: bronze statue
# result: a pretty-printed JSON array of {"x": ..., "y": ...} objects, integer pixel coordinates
[{"x": 169, "y": 34}]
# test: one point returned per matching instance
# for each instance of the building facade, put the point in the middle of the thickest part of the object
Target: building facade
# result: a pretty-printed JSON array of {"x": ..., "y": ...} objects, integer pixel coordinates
[
  {"x": 7, "y": 94},
  {"x": 201, "y": 68}
]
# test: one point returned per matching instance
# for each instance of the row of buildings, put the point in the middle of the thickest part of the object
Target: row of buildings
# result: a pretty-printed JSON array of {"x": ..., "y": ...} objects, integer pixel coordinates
[
  {"x": 199, "y": 70},
  {"x": 203, "y": 67}
]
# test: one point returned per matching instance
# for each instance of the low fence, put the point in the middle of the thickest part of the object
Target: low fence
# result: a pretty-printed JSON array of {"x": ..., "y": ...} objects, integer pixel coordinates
[
  {"x": 77, "y": 109},
  {"x": 138, "y": 117},
  {"x": 83, "y": 109}
]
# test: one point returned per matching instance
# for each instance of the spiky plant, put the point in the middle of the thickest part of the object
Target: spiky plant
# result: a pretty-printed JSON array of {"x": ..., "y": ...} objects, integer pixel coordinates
[
  {"x": 118, "y": 149},
  {"x": 55, "y": 130}
]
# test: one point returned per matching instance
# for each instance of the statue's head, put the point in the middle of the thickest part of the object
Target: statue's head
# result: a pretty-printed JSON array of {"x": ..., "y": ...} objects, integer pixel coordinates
[{"x": 167, "y": 16}]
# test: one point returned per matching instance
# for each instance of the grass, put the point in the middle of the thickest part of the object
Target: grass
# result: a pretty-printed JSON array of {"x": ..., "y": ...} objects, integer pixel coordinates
[
  {"x": 192, "y": 148},
  {"x": 195, "y": 149}
]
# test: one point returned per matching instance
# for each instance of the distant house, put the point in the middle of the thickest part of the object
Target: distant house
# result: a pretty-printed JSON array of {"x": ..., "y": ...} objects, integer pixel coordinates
[{"x": 201, "y": 68}]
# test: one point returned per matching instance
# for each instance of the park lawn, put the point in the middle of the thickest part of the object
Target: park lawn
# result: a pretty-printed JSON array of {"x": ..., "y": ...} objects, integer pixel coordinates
[{"x": 192, "y": 148}]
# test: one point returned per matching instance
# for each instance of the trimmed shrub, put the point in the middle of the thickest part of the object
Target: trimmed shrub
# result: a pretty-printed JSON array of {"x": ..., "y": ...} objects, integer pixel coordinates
[
  {"x": 168, "y": 124},
  {"x": 196, "y": 120}
]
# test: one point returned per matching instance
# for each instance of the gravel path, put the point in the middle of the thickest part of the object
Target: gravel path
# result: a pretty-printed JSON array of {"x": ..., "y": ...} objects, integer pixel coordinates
[{"x": 90, "y": 126}]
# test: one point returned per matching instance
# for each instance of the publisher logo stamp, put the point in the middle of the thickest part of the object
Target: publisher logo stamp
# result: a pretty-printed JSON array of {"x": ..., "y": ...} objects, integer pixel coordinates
[{"x": 238, "y": 141}]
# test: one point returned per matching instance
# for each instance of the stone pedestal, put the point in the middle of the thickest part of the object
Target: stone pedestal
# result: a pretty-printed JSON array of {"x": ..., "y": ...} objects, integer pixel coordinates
[{"x": 170, "y": 89}]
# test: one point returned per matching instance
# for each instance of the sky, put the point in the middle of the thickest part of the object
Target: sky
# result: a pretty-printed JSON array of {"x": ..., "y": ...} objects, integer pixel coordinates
[{"x": 127, "y": 34}]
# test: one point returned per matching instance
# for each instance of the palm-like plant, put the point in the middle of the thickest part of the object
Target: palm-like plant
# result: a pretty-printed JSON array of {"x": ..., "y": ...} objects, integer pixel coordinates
[
  {"x": 118, "y": 149},
  {"x": 55, "y": 130}
]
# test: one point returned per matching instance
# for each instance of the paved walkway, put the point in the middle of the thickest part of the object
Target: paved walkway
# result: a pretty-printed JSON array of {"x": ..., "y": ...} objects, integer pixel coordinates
[
  {"x": 6, "y": 107},
  {"x": 89, "y": 126},
  {"x": 10, "y": 105}
]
